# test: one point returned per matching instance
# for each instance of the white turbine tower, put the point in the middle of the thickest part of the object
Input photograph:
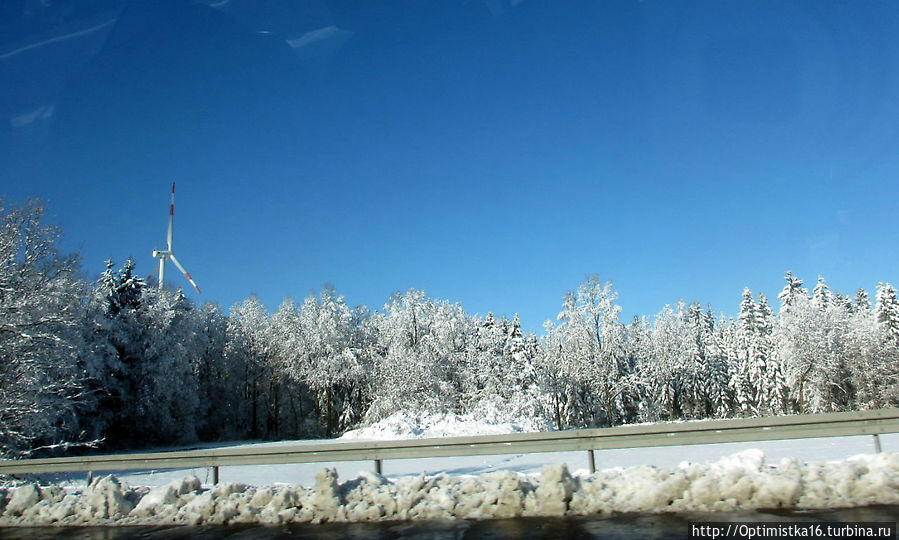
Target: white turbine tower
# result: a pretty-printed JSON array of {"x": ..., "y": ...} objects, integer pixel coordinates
[{"x": 163, "y": 255}]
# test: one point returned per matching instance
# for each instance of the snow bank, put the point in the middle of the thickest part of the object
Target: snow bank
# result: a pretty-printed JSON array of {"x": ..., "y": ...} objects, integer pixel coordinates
[
  {"x": 404, "y": 425},
  {"x": 739, "y": 482}
]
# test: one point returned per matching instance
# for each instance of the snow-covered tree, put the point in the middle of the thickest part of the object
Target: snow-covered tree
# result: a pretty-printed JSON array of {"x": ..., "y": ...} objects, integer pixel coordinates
[
  {"x": 588, "y": 352},
  {"x": 870, "y": 360},
  {"x": 663, "y": 363},
  {"x": 41, "y": 381},
  {"x": 522, "y": 395},
  {"x": 759, "y": 384},
  {"x": 288, "y": 412},
  {"x": 772, "y": 384},
  {"x": 887, "y": 312},
  {"x": 704, "y": 377},
  {"x": 718, "y": 392},
  {"x": 326, "y": 360},
  {"x": 414, "y": 369},
  {"x": 167, "y": 389},
  {"x": 821, "y": 295},
  {"x": 792, "y": 292},
  {"x": 745, "y": 377},
  {"x": 147, "y": 351},
  {"x": 810, "y": 337},
  {"x": 553, "y": 376},
  {"x": 219, "y": 379},
  {"x": 136, "y": 366},
  {"x": 486, "y": 370},
  {"x": 249, "y": 344},
  {"x": 862, "y": 302}
]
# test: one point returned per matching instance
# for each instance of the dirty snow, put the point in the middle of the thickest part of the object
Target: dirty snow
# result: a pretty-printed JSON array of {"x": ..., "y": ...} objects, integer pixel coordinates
[
  {"x": 806, "y": 474},
  {"x": 742, "y": 481}
]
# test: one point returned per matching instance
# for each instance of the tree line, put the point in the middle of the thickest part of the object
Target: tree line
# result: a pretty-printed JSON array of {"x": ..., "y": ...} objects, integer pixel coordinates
[{"x": 117, "y": 363}]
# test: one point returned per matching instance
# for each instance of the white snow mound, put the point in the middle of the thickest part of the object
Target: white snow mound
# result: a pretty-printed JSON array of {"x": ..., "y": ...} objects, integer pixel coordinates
[
  {"x": 738, "y": 482},
  {"x": 404, "y": 425}
]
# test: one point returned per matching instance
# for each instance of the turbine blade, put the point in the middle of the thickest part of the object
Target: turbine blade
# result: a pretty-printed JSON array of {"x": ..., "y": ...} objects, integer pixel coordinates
[
  {"x": 171, "y": 217},
  {"x": 183, "y": 271}
]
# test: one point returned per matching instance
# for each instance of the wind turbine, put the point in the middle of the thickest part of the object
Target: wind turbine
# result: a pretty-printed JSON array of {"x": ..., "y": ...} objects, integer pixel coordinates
[{"x": 166, "y": 254}]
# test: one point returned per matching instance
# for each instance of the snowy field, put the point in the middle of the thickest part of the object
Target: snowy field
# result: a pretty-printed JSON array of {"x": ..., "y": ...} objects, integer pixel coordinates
[{"x": 810, "y": 473}]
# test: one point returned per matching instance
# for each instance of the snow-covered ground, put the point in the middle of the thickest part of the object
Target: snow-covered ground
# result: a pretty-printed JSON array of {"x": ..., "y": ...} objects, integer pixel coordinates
[
  {"x": 426, "y": 426},
  {"x": 810, "y": 473}
]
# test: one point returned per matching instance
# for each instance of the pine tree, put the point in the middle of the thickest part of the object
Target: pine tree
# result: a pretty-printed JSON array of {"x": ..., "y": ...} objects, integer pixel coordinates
[
  {"x": 746, "y": 376},
  {"x": 772, "y": 387},
  {"x": 490, "y": 369},
  {"x": 516, "y": 328},
  {"x": 695, "y": 377},
  {"x": 717, "y": 384},
  {"x": 862, "y": 301},
  {"x": 791, "y": 292},
  {"x": 147, "y": 349},
  {"x": 843, "y": 302},
  {"x": 821, "y": 295},
  {"x": 122, "y": 289},
  {"x": 887, "y": 312}
]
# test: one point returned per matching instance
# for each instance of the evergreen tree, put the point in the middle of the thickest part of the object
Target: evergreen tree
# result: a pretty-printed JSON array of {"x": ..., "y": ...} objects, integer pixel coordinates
[
  {"x": 821, "y": 295},
  {"x": 746, "y": 376},
  {"x": 717, "y": 384},
  {"x": 695, "y": 377},
  {"x": 887, "y": 312},
  {"x": 792, "y": 292},
  {"x": 772, "y": 386},
  {"x": 862, "y": 301},
  {"x": 147, "y": 350}
]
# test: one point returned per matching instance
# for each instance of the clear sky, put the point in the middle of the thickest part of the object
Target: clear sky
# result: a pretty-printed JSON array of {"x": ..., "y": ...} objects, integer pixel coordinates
[{"x": 490, "y": 152}]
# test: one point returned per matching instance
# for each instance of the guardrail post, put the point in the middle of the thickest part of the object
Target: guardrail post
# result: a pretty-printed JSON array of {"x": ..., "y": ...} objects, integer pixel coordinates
[
  {"x": 876, "y": 443},
  {"x": 378, "y": 466},
  {"x": 592, "y": 461},
  {"x": 215, "y": 475},
  {"x": 90, "y": 477}
]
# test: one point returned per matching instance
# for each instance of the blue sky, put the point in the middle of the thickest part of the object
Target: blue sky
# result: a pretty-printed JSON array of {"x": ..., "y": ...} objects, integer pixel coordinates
[{"x": 492, "y": 153}]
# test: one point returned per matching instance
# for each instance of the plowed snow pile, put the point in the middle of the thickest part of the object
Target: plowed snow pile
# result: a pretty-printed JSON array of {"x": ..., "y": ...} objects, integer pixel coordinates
[
  {"x": 740, "y": 481},
  {"x": 404, "y": 425}
]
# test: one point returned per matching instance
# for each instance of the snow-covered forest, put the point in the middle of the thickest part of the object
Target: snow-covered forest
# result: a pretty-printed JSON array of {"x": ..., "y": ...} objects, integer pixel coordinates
[{"x": 116, "y": 363}]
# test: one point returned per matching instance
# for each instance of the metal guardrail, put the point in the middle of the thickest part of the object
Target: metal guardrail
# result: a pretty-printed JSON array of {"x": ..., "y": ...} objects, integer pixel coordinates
[{"x": 872, "y": 422}]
